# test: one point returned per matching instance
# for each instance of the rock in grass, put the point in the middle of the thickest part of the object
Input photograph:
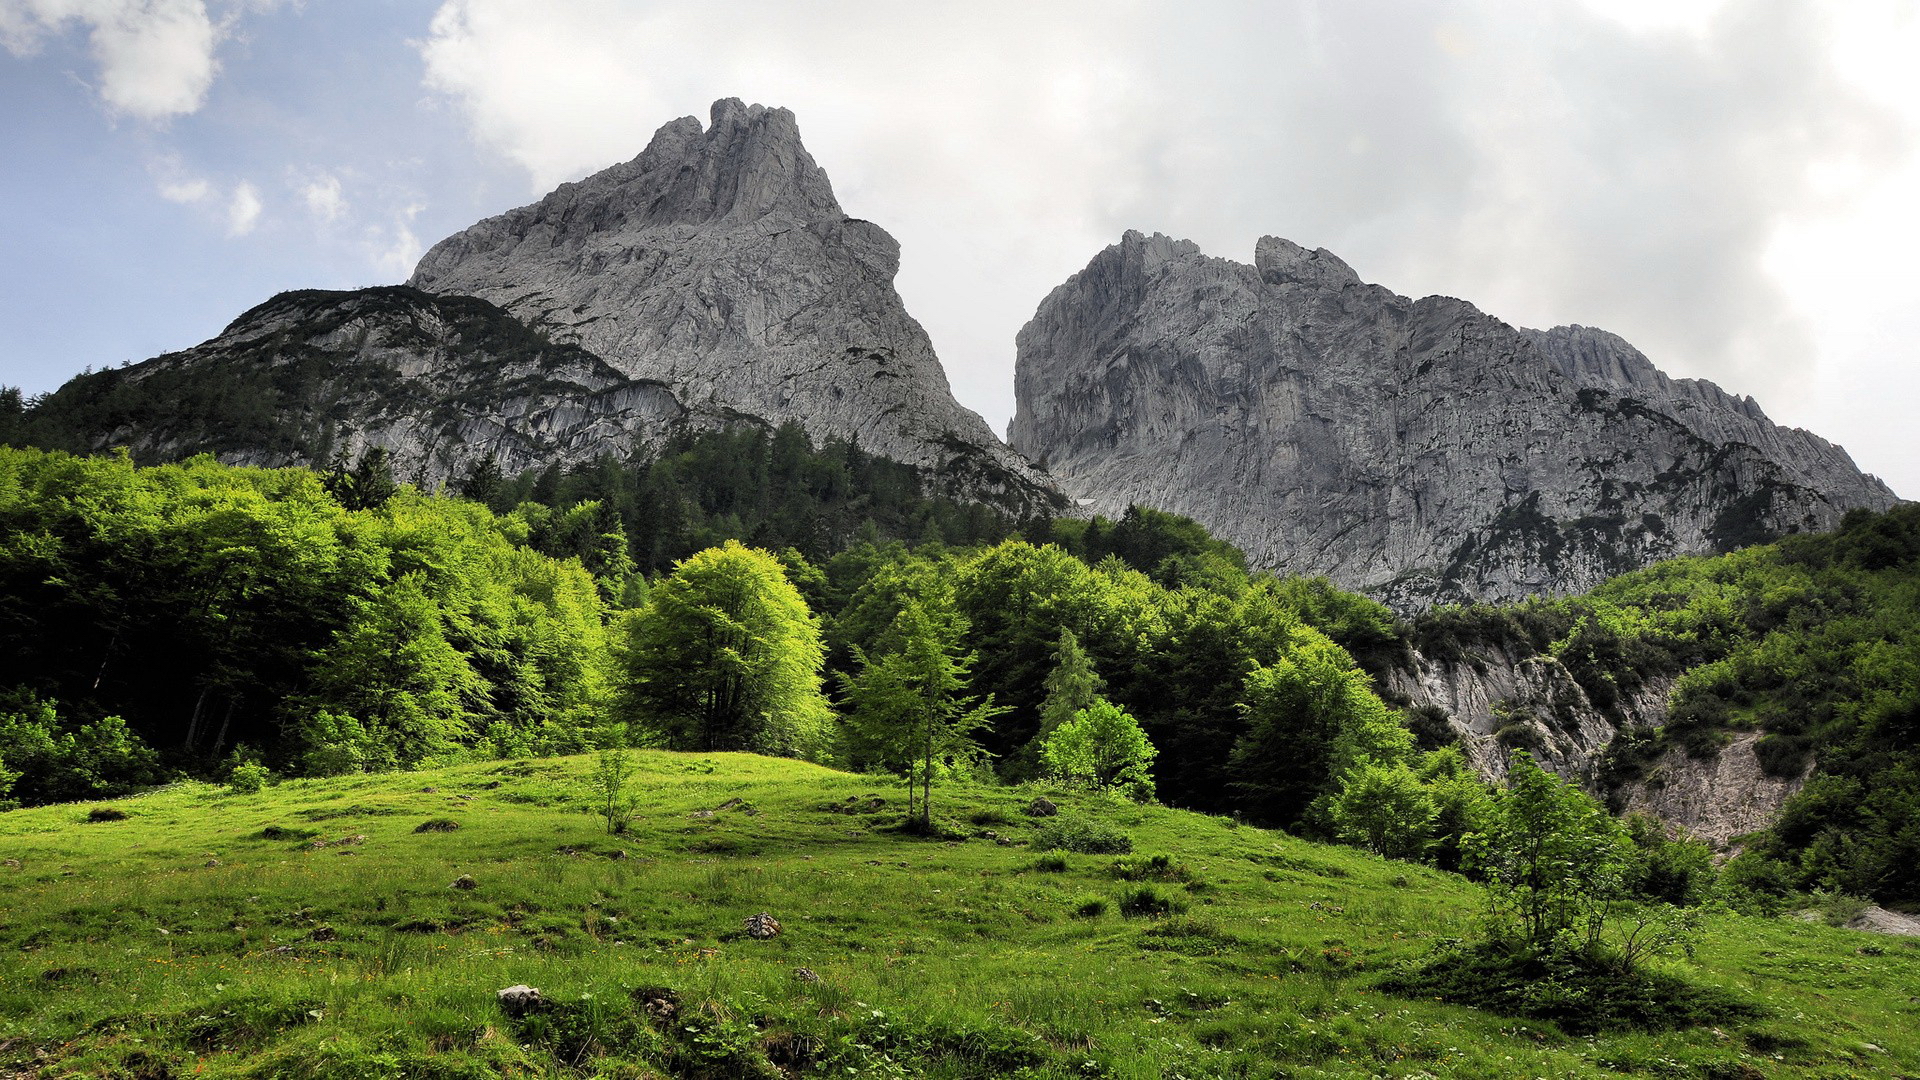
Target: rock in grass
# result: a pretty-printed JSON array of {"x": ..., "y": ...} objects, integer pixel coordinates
[
  {"x": 1042, "y": 806},
  {"x": 762, "y": 926},
  {"x": 521, "y": 999},
  {"x": 106, "y": 813},
  {"x": 464, "y": 882},
  {"x": 806, "y": 975},
  {"x": 439, "y": 824}
]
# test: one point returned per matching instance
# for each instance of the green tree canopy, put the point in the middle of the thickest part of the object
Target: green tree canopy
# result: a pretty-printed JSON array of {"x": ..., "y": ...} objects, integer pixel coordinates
[
  {"x": 726, "y": 656},
  {"x": 1103, "y": 747}
]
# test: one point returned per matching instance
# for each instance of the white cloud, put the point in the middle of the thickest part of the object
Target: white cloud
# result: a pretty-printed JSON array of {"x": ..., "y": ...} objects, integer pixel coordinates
[
  {"x": 243, "y": 209},
  {"x": 323, "y": 197},
  {"x": 155, "y": 57},
  {"x": 397, "y": 250},
  {"x": 185, "y": 191},
  {"x": 176, "y": 183}
]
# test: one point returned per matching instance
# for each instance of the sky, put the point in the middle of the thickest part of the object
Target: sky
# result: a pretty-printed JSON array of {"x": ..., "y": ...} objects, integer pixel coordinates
[{"x": 1732, "y": 185}]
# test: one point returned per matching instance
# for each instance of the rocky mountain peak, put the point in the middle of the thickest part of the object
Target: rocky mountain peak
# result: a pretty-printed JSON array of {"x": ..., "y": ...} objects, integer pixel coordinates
[
  {"x": 1283, "y": 262},
  {"x": 718, "y": 263}
]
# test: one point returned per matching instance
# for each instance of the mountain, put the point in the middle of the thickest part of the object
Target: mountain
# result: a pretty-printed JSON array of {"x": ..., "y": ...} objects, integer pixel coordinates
[
  {"x": 1421, "y": 451},
  {"x": 719, "y": 263},
  {"x": 711, "y": 281},
  {"x": 441, "y": 381}
]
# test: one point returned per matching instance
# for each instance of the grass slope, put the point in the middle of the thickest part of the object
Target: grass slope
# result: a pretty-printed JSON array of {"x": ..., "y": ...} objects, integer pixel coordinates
[{"x": 312, "y": 931}]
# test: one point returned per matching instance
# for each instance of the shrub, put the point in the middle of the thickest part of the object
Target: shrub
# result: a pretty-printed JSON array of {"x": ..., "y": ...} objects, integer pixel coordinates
[
  {"x": 1149, "y": 868},
  {"x": 436, "y": 825},
  {"x": 106, "y": 813},
  {"x": 1145, "y": 902},
  {"x": 1051, "y": 864},
  {"x": 247, "y": 778},
  {"x": 1082, "y": 837}
]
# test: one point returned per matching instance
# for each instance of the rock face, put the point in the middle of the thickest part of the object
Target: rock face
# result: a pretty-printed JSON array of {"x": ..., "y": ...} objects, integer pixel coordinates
[
  {"x": 1499, "y": 698},
  {"x": 439, "y": 381},
  {"x": 1417, "y": 450},
  {"x": 1718, "y": 799},
  {"x": 719, "y": 263}
]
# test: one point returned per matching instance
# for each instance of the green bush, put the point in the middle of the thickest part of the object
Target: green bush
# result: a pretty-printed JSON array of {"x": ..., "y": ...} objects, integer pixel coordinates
[
  {"x": 1149, "y": 868},
  {"x": 248, "y": 778},
  {"x": 1089, "y": 906},
  {"x": 1082, "y": 837}
]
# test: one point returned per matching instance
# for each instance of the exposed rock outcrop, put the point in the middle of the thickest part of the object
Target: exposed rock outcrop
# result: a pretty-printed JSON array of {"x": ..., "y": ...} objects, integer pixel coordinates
[
  {"x": 439, "y": 381},
  {"x": 719, "y": 263},
  {"x": 1499, "y": 698},
  {"x": 1718, "y": 798},
  {"x": 1417, "y": 450},
  {"x": 1499, "y": 701}
]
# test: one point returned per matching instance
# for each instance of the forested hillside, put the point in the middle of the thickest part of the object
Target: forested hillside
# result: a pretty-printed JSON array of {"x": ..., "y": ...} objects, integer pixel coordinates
[
  {"x": 180, "y": 620},
  {"x": 187, "y": 617}
]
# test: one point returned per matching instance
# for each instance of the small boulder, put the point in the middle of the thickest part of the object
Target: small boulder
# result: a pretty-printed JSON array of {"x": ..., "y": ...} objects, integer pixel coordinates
[
  {"x": 521, "y": 999},
  {"x": 439, "y": 824},
  {"x": 1041, "y": 806},
  {"x": 806, "y": 975},
  {"x": 464, "y": 882},
  {"x": 106, "y": 813},
  {"x": 212, "y": 863},
  {"x": 658, "y": 1002},
  {"x": 762, "y": 926}
]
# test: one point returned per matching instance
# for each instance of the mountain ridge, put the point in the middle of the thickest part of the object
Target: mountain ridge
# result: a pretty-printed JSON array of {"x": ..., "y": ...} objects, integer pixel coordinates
[{"x": 1419, "y": 450}]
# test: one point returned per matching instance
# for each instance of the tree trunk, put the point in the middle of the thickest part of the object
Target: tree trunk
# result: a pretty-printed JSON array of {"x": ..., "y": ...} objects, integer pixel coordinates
[{"x": 193, "y": 725}]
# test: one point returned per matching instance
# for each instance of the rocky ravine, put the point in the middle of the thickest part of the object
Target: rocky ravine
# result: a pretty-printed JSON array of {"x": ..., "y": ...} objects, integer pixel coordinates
[
  {"x": 719, "y": 263},
  {"x": 1417, "y": 450},
  {"x": 1498, "y": 699}
]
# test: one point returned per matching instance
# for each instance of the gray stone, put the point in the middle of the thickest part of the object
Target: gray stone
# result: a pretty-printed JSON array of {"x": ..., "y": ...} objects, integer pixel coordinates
[
  {"x": 1041, "y": 806},
  {"x": 1417, "y": 450},
  {"x": 762, "y": 926},
  {"x": 521, "y": 999}
]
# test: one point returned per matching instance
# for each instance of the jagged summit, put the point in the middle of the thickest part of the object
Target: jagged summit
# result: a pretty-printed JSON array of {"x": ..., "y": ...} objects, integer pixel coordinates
[
  {"x": 719, "y": 262},
  {"x": 1420, "y": 450}
]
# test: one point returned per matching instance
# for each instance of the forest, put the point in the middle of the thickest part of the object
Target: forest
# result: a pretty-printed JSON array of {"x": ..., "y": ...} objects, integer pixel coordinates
[{"x": 746, "y": 590}]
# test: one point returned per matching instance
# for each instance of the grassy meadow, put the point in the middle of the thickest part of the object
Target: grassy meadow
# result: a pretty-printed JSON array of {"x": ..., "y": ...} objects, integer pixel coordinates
[{"x": 315, "y": 929}]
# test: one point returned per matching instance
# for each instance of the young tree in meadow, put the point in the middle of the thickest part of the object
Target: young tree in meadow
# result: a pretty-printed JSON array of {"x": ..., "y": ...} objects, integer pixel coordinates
[
  {"x": 1102, "y": 746},
  {"x": 1554, "y": 861},
  {"x": 726, "y": 656},
  {"x": 1384, "y": 809},
  {"x": 910, "y": 710}
]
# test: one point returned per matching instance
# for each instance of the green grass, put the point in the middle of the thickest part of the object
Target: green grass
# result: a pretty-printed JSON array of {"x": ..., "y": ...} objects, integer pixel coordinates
[{"x": 212, "y": 934}]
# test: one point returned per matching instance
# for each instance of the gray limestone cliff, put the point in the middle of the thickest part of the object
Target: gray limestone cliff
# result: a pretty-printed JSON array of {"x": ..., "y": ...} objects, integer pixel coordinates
[
  {"x": 1421, "y": 451},
  {"x": 1501, "y": 697},
  {"x": 719, "y": 263},
  {"x": 439, "y": 381}
]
